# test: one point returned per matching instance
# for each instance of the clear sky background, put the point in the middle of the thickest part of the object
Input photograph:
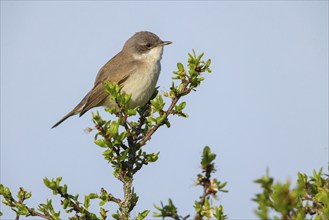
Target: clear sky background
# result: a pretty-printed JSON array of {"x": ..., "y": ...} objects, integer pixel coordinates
[{"x": 264, "y": 106}]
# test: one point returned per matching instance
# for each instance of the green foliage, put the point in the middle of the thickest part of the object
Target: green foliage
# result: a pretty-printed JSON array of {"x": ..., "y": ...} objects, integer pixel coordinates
[
  {"x": 21, "y": 209},
  {"x": 142, "y": 215},
  {"x": 309, "y": 198},
  {"x": 210, "y": 188},
  {"x": 204, "y": 207},
  {"x": 122, "y": 140},
  {"x": 17, "y": 205},
  {"x": 124, "y": 137},
  {"x": 169, "y": 210}
]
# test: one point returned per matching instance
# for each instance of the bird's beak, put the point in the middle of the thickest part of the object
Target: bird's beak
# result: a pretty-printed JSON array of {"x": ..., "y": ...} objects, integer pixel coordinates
[{"x": 165, "y": 43}]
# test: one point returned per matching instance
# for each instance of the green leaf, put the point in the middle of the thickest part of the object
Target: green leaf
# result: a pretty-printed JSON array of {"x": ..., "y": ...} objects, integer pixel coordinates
[
  {"x": 46, "y": 181},
  {"x": 132, "y": 112},
  {"x": 102, "y": 202},
  {"x": 114, "y": 129},
  {"x": 64, "y": 189},
  {"x": 323, "y": 196},
  {"x": 113, "y": 89},
  {"x": 122, "y": 136},
  {"x": 152, "y": 157},
  {"x": 28, "y": 195},
  {"x": 21, "y": 193},
  {"x": 180, "y": 107},
  {"x": 157, "y": 207},
  {"x": 101, "y": 142},
  {"x": 219, "y": 213},
  {"x": 207, "y": 65},
  {"x": 160, "y": 119},
  {"x": 200, "y": 56},
  {"x": 103, "y": 212},
  {"x": 111, "y": 110},
  {"x": 108, "y": 154},
  {"x": 116, "y": 216},
  {"x": 58, "y": 181},
  {"x": 207, "y": 157},
  {"x": 124, "y": 155},
  {"x": 123, "y": 99},
  {"x": 66, "y": 203},
  {"x": 167, "y": 123},
  {"x": 93, "y": 195},
  {"x": 142, "y": 215},
  {"x": 222, "y": 186},
  {"x": 180, "y": 67},
  {"x": 158, "y": 103},
  {"x": 157, "y": 215},
  {"x": 86, "y": 203},
  {"x": 197, "y": 207}
]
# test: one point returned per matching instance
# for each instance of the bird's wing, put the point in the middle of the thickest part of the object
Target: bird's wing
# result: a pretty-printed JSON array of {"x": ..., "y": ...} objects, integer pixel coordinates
[
  {"x": 115, "y": 70},
  {"x": 95, "y": 97}
]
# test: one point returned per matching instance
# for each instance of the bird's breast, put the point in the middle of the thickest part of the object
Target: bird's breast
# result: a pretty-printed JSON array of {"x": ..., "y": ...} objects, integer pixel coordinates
[{"x": 141, "y": 83}]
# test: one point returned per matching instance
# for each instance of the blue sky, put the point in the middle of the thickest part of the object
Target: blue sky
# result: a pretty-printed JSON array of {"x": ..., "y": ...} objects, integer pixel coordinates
[{"x": 264, "y": 106}]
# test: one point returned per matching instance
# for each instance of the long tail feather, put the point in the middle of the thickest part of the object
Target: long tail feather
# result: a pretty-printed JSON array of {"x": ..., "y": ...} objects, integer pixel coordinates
[{"x": 63, "y": 119}]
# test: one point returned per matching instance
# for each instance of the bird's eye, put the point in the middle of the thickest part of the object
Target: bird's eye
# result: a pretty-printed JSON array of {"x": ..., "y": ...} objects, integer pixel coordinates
[{"x": 148, "y": 45}]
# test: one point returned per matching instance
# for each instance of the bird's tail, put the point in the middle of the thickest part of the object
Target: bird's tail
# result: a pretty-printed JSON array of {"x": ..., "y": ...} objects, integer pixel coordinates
[
  {"x": 78, "y": 109},
  {"x": 64, "y": 118},
  {"x": 75, "y": 111}
]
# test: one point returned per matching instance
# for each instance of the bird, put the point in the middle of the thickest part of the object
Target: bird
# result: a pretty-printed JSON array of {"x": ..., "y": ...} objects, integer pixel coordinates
[{"x": 136, "y": 68}]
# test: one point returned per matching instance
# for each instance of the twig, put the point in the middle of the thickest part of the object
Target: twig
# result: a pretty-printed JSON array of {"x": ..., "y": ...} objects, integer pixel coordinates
[
  {"x": 75, "y": 206},
  {"x": 126, "y": 203},
  {"x": 111, "y": 198},
  {"x": 205, "y": 184},
  {"x": 32, "y": 212},
  {"x": 168, "y": 112}
]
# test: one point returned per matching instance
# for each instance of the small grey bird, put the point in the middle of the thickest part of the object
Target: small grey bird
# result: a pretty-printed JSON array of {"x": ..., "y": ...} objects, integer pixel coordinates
[{"x": 136, "y": 68}]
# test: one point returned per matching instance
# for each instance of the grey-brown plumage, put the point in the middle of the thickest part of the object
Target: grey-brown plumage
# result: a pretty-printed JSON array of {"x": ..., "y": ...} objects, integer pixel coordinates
[{"x": 136, "y": 68}]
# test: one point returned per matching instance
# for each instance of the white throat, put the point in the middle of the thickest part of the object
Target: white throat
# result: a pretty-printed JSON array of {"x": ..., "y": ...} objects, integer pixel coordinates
[{"x": 152, "y": 55}]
